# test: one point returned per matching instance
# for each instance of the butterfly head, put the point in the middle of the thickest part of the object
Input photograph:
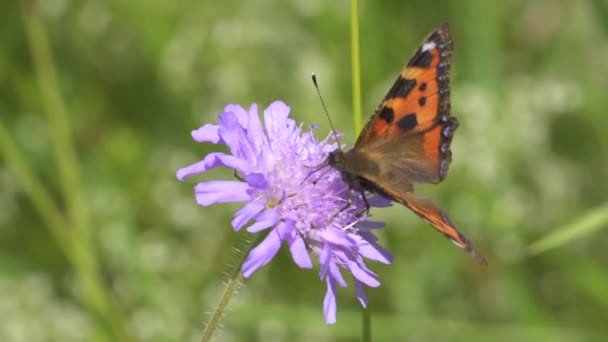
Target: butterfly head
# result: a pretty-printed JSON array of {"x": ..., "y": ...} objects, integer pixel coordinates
[
  {"x": 336, "y": 159},
  {"x": 343, "y": 162},
  {"x": 339, "y": 160}
]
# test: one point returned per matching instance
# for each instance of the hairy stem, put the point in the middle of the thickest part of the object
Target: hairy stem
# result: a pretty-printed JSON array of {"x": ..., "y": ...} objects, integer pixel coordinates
[{"x": 233, "y": 285}]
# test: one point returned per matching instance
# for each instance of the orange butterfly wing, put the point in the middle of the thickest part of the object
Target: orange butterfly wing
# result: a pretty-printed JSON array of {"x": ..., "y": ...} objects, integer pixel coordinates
[
  {"x": 409, "y": 135},
  {"x": 418, "y": 106}
]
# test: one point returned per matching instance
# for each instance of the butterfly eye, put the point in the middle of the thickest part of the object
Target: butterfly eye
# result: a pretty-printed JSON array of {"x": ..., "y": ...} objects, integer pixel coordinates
[
  {"x": 335, "y": 158},
  {"x": 331, "y": 158}
]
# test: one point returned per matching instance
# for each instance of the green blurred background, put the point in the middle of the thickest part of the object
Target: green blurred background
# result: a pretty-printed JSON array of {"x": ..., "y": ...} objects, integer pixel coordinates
[{"x": 100, "y": 242}]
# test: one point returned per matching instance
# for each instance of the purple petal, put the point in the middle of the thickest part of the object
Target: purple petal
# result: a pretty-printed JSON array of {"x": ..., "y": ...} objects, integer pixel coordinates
[
  {"x": 275, "y": 118},
  {"x": 240, "y": 113},
  {"x": 329, "y": 302},
  {"x": 354, "y": 264},
  {"x": 298, "y": 250},
  {"x": 370, "y": 225},
  {"x": 213, "y": 160},
  {"x": 266, "y": 219},
  {"x": 207, "y": 133},
  {"x": 337, "y": 237},
  {"x": 363, "y": 274},
  {"x": 324, "y": 260},
  {"x": 361, "y": 293},
  {"x": 232, "y": 133},
  {"x": 373, "y": 251},
  {"x": 221, "y": 191},
  {"x": 380, "y": 202},
  {"x": 257, "y": 180},
  {"x": 248, "y": 212},
  {"x": 334, "y": 272},
  {"x": 255, "y": 132},
  {"x": 262, "y": 254}
]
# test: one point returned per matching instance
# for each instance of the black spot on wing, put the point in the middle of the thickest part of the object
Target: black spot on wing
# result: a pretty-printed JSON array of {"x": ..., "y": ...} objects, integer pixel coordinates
[
  {"x": 402, "y": 87},
  {"x": 422, "y": 86},
  {"x": 387, "y": 115},
  {"x": 422, "y": 59},
  {"x": 408, "y": 122},
  {"x": 422, "y": 101}
]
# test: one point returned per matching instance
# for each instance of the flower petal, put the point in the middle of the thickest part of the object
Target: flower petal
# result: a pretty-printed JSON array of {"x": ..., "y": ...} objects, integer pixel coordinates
[
  {"x": 221, "y": 191},
  {"x": 255, "y": 132},
  {"x": 361, "y": 293},
  {"x": 213, "y": 160},
  {"x": 240, "y": 113},
  {"x": 335, "y": 273},
  {"x": 363, "y": 274},
  {"x": 262, "y": 254},
  {"x": 337, "y": 237},
  {"x": 366, "y": 225},
  {"x": 207, "y": 133},
  {"x": 298, "y": 250},
  {"x": 324, "y": 260},
  {"x": 266, "y": 219},
  {"x": 373, "y": 251},
  {"x": 257, "y": 180},
  {"x": 380, "y": 202},
  {"x": 233, "y": 134},
  {"x": 248, "y": 212},
  {"x": 329, "y": 302},
  {"x": 275, "y": 119}
]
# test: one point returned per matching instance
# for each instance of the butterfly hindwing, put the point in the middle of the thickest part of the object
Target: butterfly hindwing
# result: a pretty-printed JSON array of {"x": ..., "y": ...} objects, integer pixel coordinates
[
  {"x": 399, "y": 191},
  {"x": 439, "y": 219}
]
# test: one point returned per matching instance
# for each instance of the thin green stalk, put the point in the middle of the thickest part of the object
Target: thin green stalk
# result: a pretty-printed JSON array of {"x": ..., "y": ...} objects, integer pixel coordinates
[
  {"x": 356, "y": 63},
  {"x": 584, "y": 225},
  {"x": 234, "y": 283},
  {"x": 39, "y": 195},
  {"x": 54, "y": 108},
  {"x": 366, "y": 325},
  {"x": 81, "y": 250}
]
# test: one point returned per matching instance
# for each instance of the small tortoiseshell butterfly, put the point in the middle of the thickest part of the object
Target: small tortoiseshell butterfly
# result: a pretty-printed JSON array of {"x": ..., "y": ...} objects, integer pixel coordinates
[{"x": 408, "y": 138}]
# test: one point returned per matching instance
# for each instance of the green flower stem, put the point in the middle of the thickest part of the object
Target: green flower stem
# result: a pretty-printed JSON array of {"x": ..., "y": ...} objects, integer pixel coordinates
[
  {"x": 356, "y": 63},
  {"x": 77, "y": 242},
  {"x": 233, "y": 285},
  {"x": 366, "y": 326}
]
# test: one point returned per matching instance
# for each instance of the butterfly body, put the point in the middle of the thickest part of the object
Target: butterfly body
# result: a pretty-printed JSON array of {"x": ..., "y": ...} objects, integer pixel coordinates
[{"x": 408, "y": 138}]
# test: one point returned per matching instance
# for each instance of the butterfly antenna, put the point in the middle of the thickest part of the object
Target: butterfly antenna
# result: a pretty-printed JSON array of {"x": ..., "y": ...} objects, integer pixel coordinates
[{"x": 333, "y": 129}]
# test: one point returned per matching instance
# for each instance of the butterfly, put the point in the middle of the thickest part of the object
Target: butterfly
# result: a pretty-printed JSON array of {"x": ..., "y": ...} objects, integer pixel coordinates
[{"x": 407, "y": 140}]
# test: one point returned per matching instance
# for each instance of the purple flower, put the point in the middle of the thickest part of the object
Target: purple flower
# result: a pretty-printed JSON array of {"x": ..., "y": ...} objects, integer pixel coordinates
[{"x": 278, "y": 177}]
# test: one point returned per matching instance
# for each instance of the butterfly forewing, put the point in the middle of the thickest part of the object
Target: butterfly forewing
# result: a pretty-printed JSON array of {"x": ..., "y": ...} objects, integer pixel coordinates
[{"x": 418, "y": 104}]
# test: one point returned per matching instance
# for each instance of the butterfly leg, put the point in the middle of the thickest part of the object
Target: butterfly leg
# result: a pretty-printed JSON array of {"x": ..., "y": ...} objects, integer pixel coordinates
[
  {"x": 367, "y": 206},
  {"x": 349, "y": 202},
  {"x": 316, "y": 169}
]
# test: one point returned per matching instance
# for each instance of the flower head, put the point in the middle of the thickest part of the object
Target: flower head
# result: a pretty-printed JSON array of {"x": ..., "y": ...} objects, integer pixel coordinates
[{"x": 284, "y": 190}]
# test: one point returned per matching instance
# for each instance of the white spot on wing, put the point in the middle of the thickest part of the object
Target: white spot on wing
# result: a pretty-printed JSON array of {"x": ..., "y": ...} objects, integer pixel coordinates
[
  {"x": 428, "y": 46},
  {"x": 456, "y": 243}
]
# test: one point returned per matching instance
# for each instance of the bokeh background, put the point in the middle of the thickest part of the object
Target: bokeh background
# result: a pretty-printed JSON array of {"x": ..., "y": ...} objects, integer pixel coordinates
[{"x": 100, "y": 242}]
